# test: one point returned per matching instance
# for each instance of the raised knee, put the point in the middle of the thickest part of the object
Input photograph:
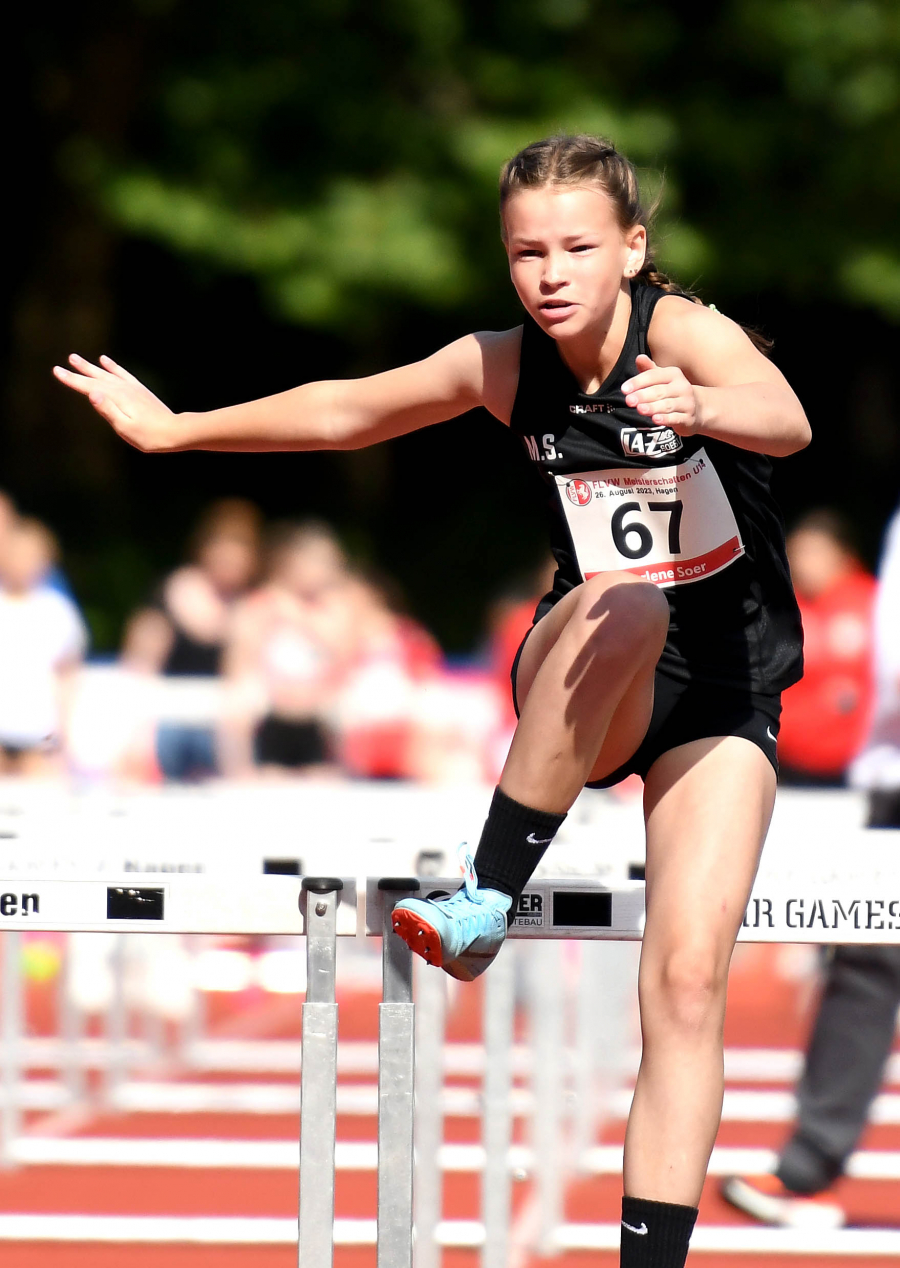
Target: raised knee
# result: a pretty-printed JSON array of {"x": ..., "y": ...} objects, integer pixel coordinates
[
  {"x": 685, "y": 992},
  {"x": 621, "y": 603}
]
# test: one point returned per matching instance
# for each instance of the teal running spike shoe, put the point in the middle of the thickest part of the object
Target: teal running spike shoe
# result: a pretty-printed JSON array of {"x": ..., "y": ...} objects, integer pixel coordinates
[{"x": 461, "y": 934}]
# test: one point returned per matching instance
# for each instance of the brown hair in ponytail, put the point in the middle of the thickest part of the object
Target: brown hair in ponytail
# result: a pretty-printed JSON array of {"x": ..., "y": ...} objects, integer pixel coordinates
[{"x": 589, "y": 160}]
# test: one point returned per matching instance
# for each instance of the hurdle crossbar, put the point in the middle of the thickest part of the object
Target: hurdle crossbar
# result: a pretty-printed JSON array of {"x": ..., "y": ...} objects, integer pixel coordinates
[
  {"x": 794, "y": 907},
  {"x": 185, "y": 903},
  {"x": 822, "y": 910}
]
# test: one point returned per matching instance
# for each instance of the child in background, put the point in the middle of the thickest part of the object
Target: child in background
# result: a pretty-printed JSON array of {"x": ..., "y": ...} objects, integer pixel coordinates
[{"x": 42, "y": 641}]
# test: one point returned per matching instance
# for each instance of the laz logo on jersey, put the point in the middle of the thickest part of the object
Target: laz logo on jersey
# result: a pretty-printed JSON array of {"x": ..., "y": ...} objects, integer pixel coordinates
[{"x": 650, "y": 442}]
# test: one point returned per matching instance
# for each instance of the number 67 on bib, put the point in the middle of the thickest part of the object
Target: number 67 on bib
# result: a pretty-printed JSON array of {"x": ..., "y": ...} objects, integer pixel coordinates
[{"x": 668, "y": 525}]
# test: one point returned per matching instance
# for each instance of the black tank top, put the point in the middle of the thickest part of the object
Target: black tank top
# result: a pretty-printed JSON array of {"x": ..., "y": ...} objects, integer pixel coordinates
[{"x": 694, "y": 516}]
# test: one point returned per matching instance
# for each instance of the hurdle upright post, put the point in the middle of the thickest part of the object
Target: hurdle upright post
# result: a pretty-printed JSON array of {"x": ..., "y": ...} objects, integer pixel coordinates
[
  {"x": 431, "y": 1007},
  {"x": 116, "y": 1070},
  {"x": 71, "y": 1026},
  {"x": 11, "y": 1039},
  {"x": 497, "y": 1086},
  {"x": 396, "y": 1087},
  {"x": 547, "y": 1080},
  {"x": 318, "y": 1074}
]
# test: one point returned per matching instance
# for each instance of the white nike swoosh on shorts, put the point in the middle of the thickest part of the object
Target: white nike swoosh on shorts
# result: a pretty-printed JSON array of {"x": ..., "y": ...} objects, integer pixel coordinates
[
  {"x": 773, "y": 738},
  {"x": 641, "y": 1232}
]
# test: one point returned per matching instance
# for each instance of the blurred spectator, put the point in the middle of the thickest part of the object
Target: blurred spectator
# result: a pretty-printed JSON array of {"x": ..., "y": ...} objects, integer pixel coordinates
[
  {"x": 464, "y": 716},
  {"x": 184, "y": 630},
  {"x": 854, "y": 1029},
  {"x": 293, "y": 639},
  {"x": 825, "y": 715},
  {"x": 8, "y": 517},
  {"x": 377, "y": 706},
  {"x": 460, "y": 737},
  {"x": 54, "y": 577},
  {"x": 42, "y": 640},
  {"x": 877, "y": 769}
]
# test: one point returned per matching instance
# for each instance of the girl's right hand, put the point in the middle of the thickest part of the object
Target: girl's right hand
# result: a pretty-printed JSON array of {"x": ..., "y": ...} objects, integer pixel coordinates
[{"x": 136, "y": 414}]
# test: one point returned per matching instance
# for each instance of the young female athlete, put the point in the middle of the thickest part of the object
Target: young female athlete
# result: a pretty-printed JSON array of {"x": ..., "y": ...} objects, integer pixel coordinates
[{"x": 670, "y": 631}]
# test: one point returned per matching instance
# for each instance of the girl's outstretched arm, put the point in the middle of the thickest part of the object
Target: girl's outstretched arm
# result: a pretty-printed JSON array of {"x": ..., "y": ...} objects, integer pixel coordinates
[
  {"x": 706, "y": 378},
  {"x": 479, "y": 369}
]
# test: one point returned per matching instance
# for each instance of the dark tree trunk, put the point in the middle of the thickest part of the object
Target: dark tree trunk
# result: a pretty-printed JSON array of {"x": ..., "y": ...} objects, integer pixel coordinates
[{"x": 78, "y": 97}]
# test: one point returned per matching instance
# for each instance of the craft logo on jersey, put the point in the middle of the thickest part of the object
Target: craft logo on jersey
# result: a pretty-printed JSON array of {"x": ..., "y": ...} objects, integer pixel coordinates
[
  {"x": 650, "y": 442},
  {"x": 595, "y": 407},
  {"x": 578, "y": 492}
]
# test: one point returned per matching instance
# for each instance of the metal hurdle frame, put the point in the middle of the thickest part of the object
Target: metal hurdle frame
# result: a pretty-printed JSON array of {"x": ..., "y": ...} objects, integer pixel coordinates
[
  {"x": 318, "y": 1082},
  {"x": 799, "y": 907}
]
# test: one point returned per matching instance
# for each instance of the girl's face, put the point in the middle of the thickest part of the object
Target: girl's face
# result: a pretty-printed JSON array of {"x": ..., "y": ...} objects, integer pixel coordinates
[{"x": 568, "y": 256}]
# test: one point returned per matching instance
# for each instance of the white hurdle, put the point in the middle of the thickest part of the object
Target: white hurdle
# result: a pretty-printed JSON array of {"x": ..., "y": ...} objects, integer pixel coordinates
[
  {"x": 797, "y": 903},
  {"x": 10, "y": 1046}
]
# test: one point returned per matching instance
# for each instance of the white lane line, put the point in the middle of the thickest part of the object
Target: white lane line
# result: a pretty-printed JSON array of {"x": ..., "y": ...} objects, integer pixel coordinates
[
  {"x": 231, "y": 1230},
  {"x": 769, "y": 1107},
  {"x": 282, "y": 1155},
  {"x": 103, "y": 1151},
  {"x": 750, "y": 1239},
  {"x": 867, "y": 1164},
  {"x": 740, "y": 1105},
  {"x": 354, "y": 1057},
  {"x": 129, "y": 1228},
  {"x": 37, "y": 1094},
  {"x": 147, "y": 1096},
  {"x": 742, "y": 1065},
  {"x": 282, "y": 1056},
  {"x": 250, "y": 1155}
]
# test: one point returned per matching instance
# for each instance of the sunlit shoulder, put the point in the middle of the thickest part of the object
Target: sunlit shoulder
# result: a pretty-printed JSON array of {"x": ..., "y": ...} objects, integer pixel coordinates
[{"x": 709, "y": 347}]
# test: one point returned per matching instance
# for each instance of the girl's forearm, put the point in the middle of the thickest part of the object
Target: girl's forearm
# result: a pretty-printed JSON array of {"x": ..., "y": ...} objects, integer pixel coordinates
[
  {"x": 305, "y": 417},
  {"x": 762, "y": 417}
]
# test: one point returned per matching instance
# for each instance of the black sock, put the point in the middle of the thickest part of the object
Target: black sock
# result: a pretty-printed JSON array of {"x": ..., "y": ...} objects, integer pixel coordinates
[
  {"x": 513, "y": 842},
  {"x": 655, "y": 1234}
]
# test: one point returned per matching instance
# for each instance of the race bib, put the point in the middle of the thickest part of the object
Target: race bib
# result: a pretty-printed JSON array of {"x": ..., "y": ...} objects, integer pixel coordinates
[{"x": 668, "y": 525}]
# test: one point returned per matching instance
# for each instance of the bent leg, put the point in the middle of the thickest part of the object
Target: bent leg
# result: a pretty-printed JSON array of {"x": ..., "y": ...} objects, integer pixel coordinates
[
  {"x": 707, "y": 806},
  {"x": 585, "y": 689}
]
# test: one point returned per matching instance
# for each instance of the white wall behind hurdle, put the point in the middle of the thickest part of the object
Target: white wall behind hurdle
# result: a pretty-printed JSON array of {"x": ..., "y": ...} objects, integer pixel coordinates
[{"x": 358, "y": 828}]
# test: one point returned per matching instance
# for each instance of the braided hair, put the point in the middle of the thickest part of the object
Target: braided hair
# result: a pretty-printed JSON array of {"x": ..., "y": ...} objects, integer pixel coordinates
[{"x": 590, "y": 160}]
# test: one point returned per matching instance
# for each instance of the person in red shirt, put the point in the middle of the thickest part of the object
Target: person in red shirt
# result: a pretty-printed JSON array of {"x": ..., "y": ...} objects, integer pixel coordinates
[{"x": 825, "y": 714}]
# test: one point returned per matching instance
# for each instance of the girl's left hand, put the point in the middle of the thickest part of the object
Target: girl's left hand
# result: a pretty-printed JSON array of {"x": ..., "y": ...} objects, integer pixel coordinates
[{"x": 664, "y": 394}]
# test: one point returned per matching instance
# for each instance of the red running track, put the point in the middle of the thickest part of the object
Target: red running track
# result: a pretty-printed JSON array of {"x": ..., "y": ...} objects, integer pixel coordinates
[{"x": 765, "y": 1011}]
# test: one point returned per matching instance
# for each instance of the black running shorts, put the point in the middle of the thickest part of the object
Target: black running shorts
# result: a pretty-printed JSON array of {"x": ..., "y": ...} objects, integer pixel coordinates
[{"x": 686, "y": 711}]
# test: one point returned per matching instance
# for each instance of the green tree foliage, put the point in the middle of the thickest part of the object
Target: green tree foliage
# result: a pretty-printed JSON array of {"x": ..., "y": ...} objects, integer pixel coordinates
[
  {"x": 345, "y": 152},
  {"x": 192, "y": 181}
]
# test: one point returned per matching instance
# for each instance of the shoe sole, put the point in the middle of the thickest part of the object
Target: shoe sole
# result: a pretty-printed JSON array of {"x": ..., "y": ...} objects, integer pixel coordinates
[
  {"x": 419, "y": 936},
  {"x": 423, "y": 939},
  {"x": 778, "y": 1211}
]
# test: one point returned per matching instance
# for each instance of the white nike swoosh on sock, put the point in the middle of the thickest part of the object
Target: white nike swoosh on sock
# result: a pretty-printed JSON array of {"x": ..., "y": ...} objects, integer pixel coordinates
[
  {"x": 532, "y": 840},
  {"x": 641, "y": 1232}
]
